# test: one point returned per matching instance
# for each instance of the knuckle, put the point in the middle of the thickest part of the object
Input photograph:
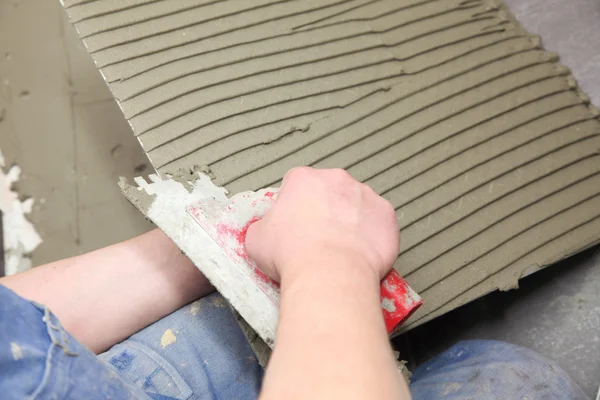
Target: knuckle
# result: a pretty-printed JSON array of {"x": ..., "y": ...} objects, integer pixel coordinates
[
  {"x": 367, "y": 190},
  {"x": 340, "y": 174},
  {"x": 296, "y": 173},
  {"x": 388, "y": 208}
]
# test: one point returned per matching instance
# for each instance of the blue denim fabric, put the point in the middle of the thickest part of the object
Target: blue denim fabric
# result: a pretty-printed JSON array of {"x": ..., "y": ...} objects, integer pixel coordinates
[
  {"x": 199, "y": 352},
  {"x": 40, "y": 360},
  {"x": 486, "y": 370}
]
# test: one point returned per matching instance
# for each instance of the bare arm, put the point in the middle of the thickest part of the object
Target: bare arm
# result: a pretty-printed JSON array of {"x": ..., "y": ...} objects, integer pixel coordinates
[
  {"x": 330, "y": 240},
  {"x": 331, "y": 341},
  {"x": 107, "y": 295}
]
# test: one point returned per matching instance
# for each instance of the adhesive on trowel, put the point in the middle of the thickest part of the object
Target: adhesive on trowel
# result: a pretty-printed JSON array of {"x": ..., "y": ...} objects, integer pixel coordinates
[{"x": 227, "y": 223}]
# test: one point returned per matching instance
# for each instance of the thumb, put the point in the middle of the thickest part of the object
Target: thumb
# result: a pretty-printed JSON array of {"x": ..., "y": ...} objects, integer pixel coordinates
[{"x": 257, "y": 251}]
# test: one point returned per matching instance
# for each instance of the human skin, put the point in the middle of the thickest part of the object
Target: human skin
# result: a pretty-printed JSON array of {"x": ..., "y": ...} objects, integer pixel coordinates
[
  {"x": 330, "y": 241},
  {"x": 105, "y": 296}
]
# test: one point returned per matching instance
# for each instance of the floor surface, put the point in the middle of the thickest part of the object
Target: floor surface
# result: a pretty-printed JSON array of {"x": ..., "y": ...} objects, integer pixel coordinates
[
  {"x": 62, "y": 126},
  {"x": 59, "y": 113}
]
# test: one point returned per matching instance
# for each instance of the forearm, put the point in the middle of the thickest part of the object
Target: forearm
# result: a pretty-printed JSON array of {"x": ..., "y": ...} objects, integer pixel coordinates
[
  {"x": 331, "y": 340},
  {"x": 105, "y": 296}
]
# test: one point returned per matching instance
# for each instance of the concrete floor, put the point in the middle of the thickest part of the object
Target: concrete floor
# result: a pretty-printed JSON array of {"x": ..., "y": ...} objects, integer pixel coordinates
[{"x": 63, "y": 128}]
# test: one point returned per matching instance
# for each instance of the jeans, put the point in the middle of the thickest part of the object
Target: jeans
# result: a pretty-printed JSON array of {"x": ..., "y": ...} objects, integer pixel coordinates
[
  {"x": 487, "y": 369},
  {"x": 199, "y": 352},
  {"x": 220, "y": 365}
]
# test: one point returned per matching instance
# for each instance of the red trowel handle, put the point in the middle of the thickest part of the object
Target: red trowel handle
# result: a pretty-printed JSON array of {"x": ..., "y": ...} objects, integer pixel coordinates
[
  {"x": 228, "y": 223},
  {"x": 398, "y": 301}
]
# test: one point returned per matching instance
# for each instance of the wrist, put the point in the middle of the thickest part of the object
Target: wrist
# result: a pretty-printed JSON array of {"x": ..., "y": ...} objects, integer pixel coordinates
[
  {"x": 331, "y": 268},
  {"x": 335, "y": 294}
]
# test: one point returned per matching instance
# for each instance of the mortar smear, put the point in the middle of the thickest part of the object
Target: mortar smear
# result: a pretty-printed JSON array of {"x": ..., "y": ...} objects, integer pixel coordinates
[{"x": 20, "y": 236}]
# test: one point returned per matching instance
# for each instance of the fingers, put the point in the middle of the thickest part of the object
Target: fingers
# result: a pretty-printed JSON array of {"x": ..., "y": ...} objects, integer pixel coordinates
[
  {"x": 322, "y": 207},
  {"x": 254, "y": 243},
  {"x": 293, "y": 174},
  {"x": 253, "y": 238}
]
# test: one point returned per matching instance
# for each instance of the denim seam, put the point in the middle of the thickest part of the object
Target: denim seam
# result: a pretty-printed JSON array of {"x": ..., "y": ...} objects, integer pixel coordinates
[
  {"x": 186, "y": 391},
  {"x": 44, "y": 384},
  {"x": 57, "y": 334}
]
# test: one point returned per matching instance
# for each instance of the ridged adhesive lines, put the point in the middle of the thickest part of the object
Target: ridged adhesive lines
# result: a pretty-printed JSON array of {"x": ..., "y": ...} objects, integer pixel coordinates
[
  {"x": 331, "y": 56},
  {"x": 336, "y": 70},
  {"x": 455, "y": 90},
  {"x": 480, "y": 139},
  {"x": 319, "y": 90}
]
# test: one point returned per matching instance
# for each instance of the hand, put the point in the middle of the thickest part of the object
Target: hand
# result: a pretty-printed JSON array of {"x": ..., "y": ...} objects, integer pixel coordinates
[{"x": 324, "y": 215}]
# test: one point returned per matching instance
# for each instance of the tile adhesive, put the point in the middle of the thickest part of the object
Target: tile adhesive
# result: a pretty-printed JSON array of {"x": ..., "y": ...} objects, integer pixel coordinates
[{"x": 480, "y": 138}]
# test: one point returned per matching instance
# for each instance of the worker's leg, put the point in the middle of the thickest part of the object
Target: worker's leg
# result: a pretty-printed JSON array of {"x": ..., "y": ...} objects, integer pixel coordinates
[
  {"x": 198, "y": 352},
  {"x": 485, "y": 370}
]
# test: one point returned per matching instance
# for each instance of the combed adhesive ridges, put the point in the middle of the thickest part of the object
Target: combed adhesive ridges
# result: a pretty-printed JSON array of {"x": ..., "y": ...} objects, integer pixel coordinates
[{"x": 480, "y": 139}]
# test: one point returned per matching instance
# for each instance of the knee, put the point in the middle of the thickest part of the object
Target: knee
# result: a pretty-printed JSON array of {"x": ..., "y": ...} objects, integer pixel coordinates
[{"x": 471, "y": 368}]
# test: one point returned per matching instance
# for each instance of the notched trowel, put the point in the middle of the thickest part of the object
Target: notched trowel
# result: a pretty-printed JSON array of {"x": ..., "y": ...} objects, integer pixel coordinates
[{"x": 210, "y": 229}]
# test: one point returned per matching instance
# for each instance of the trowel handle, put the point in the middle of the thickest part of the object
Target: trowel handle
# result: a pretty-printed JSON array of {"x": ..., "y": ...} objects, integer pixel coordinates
[{"x": 398, "y": 301}]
